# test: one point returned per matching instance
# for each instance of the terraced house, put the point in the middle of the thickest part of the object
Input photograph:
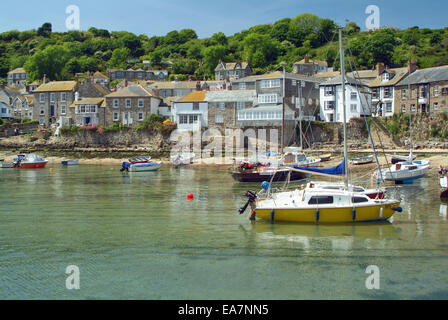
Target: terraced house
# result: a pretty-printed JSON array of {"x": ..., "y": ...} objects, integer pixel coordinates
[
  {"x": 88, "y": 111},
  {"x": 130, "y": 106},
  {"x": 51, "y": 101},
  {"x": 17, "y": 78},
  {"x": 233, "y": 70},
  {"x": 428, "y": 91},
  {"x": 383, "y": 87}
]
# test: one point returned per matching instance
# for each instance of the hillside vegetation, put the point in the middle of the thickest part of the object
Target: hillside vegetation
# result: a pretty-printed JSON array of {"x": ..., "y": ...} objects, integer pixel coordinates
[{"x": 61, "y": 55}]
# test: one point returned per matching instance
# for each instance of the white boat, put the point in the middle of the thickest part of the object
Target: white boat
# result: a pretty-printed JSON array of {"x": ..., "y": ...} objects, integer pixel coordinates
[
  {"x": 293, "y": 157},
  {"x": 182, "y": 158},
  {"x": 395, "y": 158},
  {"x": 404, "y": 172},
  {"x": 139, "y": 167},
  {"x": 371, "y": 193},
  {"x": 362, "y": 160},
  {"x": 321, "y": 205}
]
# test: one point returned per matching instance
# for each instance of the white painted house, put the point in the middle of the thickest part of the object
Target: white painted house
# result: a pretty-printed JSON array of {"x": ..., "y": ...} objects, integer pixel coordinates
[
  {"x": 191, "y": 112},
  {"x": 357, "y": 100}
]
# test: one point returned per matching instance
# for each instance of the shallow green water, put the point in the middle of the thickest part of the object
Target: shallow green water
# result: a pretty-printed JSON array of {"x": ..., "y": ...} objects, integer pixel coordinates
[{"x": 136, "y": 237}]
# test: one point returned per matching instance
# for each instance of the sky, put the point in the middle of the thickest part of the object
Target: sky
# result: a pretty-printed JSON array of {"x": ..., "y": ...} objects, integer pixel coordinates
[{"x": 206, "y": 17}]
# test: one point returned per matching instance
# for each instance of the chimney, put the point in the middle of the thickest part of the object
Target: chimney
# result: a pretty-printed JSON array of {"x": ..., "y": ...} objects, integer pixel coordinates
[
  {"x": 157, "y": 92},
  {"x": 412, "y": 65},
  {"x": 307, "y": 59},
  {"x": 198, "y": 86},
  {"x": 45, "y": 79},
  {"x": 379, "y": 68},
  {"x": 76, "y": 96},
  {"x": 125, "y": 82}
]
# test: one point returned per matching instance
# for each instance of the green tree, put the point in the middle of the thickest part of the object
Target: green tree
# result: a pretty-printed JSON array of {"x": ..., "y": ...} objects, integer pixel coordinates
[
  {"x": 212, "y": 55},
  {"x": 119, "y": 58},
  {"x": 50, "y": 62},
  {"x": 280, "y": 29},
  {"x": 45, "y": 30},
  {"x": 351, "y": 28}
]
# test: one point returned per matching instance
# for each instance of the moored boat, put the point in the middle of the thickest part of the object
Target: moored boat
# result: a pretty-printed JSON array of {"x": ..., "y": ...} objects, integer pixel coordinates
[
  {"x": 362, "y": 160},
  {"x": 182, "y": 158},
  {"x": 28, "y": 161},
  {"x": 404, "y": 172},
  {"x": 140, "y": 159},
  {"x": 139, "y": 167},
  {"x": 69, "y": 162},
  {"x": 325, "y": 157}
]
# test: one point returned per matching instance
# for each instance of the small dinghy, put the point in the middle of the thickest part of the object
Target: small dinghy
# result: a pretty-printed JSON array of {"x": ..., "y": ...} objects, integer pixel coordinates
[
  {"x": 140, "y": 159},
  {"x": 185, "y": 158},
  {"x": 139, "y": 167},
  {"x": 69, "y": 163},
  {"x": 325, "y": 157},
  {"x": 362, "y": 160},
  {"x": 6, "y": 164}
]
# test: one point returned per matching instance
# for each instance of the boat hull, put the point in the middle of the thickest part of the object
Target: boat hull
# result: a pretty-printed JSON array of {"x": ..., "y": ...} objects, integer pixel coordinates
[
  {"x": 371, "y": 213},
  {"x": 33, "y": 165},
  {"x": 69, "y": 163},
  {"x": 140, "y": 167},
  {"x": 260, "y": 177}
]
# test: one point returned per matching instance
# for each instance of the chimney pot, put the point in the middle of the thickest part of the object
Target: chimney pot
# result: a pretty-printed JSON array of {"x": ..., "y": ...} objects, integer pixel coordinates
[{"x": 379, "y": 68}]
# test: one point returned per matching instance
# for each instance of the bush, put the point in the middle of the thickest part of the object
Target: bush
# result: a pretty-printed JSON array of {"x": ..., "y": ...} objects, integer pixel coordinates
[
  {"x": 435, "y": 132},
  {"x": 1, "y": 121},
  {"x": 69, "y": 129}
]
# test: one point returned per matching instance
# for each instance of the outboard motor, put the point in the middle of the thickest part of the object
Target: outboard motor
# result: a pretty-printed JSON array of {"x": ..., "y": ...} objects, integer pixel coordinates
[
  {"x": 252, "y": 196},
  {"x": 125, "y": 166}
]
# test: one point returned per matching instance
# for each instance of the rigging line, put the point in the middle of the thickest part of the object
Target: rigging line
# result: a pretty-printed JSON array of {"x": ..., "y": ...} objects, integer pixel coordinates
[{"x": 365, "y": 118}]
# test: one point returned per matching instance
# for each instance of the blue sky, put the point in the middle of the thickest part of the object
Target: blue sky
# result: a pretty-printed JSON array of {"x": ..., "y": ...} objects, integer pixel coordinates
[{"x": 158, "y": 17}]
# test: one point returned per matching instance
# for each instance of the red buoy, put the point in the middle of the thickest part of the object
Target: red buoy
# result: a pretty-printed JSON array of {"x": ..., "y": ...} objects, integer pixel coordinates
[{"x": 190, "y": 196}]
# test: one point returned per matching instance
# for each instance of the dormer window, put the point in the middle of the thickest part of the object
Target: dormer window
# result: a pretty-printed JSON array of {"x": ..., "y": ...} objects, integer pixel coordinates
[{"x": 385, "y": 76}]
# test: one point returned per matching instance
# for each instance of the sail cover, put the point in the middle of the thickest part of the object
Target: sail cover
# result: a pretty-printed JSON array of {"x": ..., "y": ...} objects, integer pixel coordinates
[{"x": 339, "y": 170}]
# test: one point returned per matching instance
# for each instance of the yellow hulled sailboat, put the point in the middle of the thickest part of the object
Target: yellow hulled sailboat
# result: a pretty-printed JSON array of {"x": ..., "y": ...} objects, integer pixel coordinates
[{"x": 320, "y": 204}]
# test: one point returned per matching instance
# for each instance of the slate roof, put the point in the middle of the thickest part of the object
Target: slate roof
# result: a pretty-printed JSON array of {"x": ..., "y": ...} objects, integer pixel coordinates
[
  {"x": 426, "y": 75},
  {"x": 397, "y": 75},
  {"x": 56, "y": 86},
  {"x": 130, "y": 91}
]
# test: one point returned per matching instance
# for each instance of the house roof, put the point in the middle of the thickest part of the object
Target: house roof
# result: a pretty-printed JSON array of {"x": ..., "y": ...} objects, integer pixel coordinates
[
  {"x": 426, "y": 75},
  {"x": 230, "y": 95},
  {"x": 318, "y": 62},
  {"x": 30, "y": 99},
  {"x": 397, "y": 75},
  {"x": 130, "y": 91},
  {"x": 278, "y": 75},
  {"x": 57, "y": 86},
  {"x": 18, "y": 70},
  {"x": 100, "y": 75},
  {"x": 231, "y": 65},
  {"x": 195, "y": 96},
  {"x": 96, "y": 101},
  {"x": 338, "y": 80},
  {"x": 173, "y": 85}
]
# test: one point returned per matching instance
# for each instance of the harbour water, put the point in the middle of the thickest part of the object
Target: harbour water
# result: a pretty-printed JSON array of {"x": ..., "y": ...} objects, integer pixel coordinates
[{"x": 135, "y": 236}]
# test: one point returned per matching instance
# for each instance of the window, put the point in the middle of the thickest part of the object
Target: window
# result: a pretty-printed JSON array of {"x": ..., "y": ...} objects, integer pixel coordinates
[
  {"x": 436, "y": 106},
  {"x": 222, "y": 106},
  {"x": 183, "y": 119},
  {"x": 242, "y": 85},
  {"x": 389, "y": 107},
  {"x": 374, "y": 93},
  {"x": 359, "y": 199},
  {"x": 42, "y": 110},
  {"x": 329, "y": 105},
  {"x": 294, "y": 82},
  {"x": 42, "y": 97},
  {"x": 63, "y": 97},
  {"x": 51, "y": 97},
  {"x": 412, "y": 107},
  {"x": 444, "y": 91},
  {"x": 219, "y": 118},
  {"x": 115, "y": 116},
  {"x": 93, "y": 109},
  {"x": 83, "y": 109},
  {"x": 353, "y": 95},
  {"x": 329, "y": 91},
  {"x": 128, "y": 103},
  {"x": 115, "y": 104},
  {"x": 240, "y": 105},
  {"x": 403, "y": 94},
  {"x": 403, "y": 108},
  {"x": 41, "y": 121},
  {"x": 436, "y": 91},
  {"x": 422, "y": 92},
  {"x": 321, "y": 200},
  {"x": 267, "y": 98},
  {"x": 193, "y": 118},
  {"x": 354, "y": 108},
  {"x": 274, "y": 83},
  {"x": 386, "y": 92},
  {"x": 140, "y": 116},
  {"x": 63, "y": 109},
  {"x": 140, "y": 103},
  {"x": 195, "y": 105}
]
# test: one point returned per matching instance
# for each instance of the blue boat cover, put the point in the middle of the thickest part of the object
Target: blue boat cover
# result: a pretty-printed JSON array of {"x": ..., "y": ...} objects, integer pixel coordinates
[{"x": 339, "y": 170}]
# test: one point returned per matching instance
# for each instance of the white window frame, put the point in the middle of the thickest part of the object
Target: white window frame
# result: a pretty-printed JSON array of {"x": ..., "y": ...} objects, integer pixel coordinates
[
  {"x": 219, "y": 118},
  {"x": 63, "y": 97},
  {"x": 128, "y": 103},
  {"x": 116, "y": 116},
  {"x": 140, "y": 116},
  {"x": 116, "y": 103},
  {"x": 141, "y": 103},
  {"x": 42, "y": 97},
  {"x": 242, "y": 85},
  {"x": 63, "y": 109},
  {"x": 353, "y": 107},
  {"x": 268, "y": 98},
  {"x": 222, "y": 106},
  {"x": 436, "y": 91},
  {"x": 52, "y": 96},
  {"x": 239, "y": 105},
  {"x": 270, "y": 83},
  {"x": 353, "y": 96}
]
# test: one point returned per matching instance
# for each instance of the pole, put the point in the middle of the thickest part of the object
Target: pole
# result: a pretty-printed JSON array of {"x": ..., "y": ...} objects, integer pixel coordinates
[
  {"x": 341, "y": 49},
  {"x": 410, "y": 114},
  {"x": 283, "y": 110}
]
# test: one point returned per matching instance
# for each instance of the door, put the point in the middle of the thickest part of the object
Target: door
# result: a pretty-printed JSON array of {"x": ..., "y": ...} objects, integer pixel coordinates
[
  {"x": 130, "y": 118},
  {"x": 87, "y": 120},
  {"x": 125, "y": 118},
  {"x": 52, "y": 111}
]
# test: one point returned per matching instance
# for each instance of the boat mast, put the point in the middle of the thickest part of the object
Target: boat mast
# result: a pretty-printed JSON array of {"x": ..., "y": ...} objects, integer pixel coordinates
[
  {"x": 341, "y": 49},
  {"x": 283, "y": 107},
  {"x": 410, "y": 113}
]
